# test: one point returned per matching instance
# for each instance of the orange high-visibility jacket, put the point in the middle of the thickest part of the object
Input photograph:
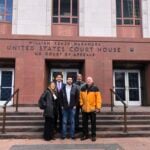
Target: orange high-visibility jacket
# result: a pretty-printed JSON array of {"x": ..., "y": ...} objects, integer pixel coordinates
[{"x": 90, "y": 98}]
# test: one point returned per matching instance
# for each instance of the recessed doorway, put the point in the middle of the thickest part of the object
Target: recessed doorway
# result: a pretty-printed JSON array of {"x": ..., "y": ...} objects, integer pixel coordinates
[{"x": 65, "y": 73}]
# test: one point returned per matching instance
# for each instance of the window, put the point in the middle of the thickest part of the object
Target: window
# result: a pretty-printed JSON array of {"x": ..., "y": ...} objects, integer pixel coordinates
[
  {"x": 6, "y": 10},
  {"x": 65, "y": 11},
  {"x": 128, "y": 12}
]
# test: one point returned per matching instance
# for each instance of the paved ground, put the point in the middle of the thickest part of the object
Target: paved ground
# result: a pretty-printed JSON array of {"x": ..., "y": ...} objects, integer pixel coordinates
[
  {"x": 68, "y": 147},
  {"x": 104, "y": 143}
]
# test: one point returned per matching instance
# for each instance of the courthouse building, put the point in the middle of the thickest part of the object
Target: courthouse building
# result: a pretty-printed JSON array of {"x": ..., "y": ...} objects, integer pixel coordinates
[{"x": 106, "y": 39}]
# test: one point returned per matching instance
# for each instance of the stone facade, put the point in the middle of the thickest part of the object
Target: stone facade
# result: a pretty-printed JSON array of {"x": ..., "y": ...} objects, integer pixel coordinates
[
  {"x": 33, "y": 45},
  {"x": 95, "y": 55}
]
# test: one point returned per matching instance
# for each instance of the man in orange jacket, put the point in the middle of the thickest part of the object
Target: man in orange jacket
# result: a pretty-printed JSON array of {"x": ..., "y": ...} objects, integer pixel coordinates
[{"x": 90, "y": 102}]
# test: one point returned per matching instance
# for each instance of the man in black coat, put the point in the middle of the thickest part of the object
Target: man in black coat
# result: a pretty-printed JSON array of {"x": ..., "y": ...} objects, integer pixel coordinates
[
  {"x": 70, "y": 97},
  {"x": 58, "y": 113}
]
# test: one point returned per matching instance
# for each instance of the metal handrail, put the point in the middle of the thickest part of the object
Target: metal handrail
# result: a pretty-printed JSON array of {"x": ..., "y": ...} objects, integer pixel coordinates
[
  {"x": 5, "y": 105},
  {"x": 125, "y": 108}
]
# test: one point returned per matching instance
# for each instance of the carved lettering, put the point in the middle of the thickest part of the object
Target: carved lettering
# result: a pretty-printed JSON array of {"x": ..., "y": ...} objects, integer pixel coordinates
[{"x": 63, "y": 48}]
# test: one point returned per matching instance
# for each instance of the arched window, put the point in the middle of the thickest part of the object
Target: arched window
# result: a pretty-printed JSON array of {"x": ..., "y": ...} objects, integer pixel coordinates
[
  {"x": 65, "y": 11},
  {"x": 6, "y": 10},
  {"x": 128, "y": 12}
]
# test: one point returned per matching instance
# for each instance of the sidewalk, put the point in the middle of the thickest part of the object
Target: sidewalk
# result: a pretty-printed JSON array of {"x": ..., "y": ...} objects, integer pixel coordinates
[{"x": 124, "y": 143}]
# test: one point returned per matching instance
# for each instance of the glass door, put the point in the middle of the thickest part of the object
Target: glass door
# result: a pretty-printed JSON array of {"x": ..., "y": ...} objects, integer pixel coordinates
[
  {"x": 119, "y": 87},
  {"x": 6, "y": 85},
  {"x": 134, "y": 88},
  {"x": 127, "y": 85},
  {"x": 65, "y": 72}
]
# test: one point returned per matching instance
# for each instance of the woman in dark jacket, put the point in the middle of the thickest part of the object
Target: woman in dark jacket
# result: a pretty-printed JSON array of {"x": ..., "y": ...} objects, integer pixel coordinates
[{"x": 49, "y": 97}]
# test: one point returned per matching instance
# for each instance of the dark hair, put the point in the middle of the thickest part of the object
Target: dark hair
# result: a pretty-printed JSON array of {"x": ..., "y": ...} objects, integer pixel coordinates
[
  {"x": 59, "y": 74},
  {"x": 70, "y": 77},
  {"x": 51, "y": 83}
]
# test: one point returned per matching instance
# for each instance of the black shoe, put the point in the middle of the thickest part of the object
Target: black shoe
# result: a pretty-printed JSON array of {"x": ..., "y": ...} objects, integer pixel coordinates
[
  {"x": 77, "y": 130},
  {"x": 53, "y": 138},
  {"x": 73, "y": 138},
  {"x": 47, "y": 139},
  {"x": 84, "y": 138},
  {"x": 93, "y": 138},
  {"x": 62, "y": 138}
]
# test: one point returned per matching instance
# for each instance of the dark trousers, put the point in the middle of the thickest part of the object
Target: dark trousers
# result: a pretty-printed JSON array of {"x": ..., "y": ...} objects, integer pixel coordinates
[
  {"x": 55, "y": 118},
  {"x": 85, "y": 117},
  {"x": 77, "y": 118},
  {"x": 60, "y": 118},
  {"x": 48, "y": 128},
  {"x": 57, "y": 115}
]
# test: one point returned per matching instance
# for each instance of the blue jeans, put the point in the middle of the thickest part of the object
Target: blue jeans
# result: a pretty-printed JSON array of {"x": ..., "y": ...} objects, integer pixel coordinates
[{"x": 68, "y": 114}]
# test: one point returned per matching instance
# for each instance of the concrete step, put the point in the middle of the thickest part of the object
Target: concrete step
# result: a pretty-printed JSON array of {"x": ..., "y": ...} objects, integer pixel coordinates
[
  {"x": 108, "y": 134},
  {"x": 99, "y": 117},
  {"x": 36, "y": 128},
  {"x": 22, "y": 118},
  {"x": 30, "y": 125},
  {"x": 101, "y": 113},
  {"x": 39, "y": 128},
  {"x": 98, "y": 122},
  {"x": 22, "y": 113},
  {"x": 100, "y": 134},
  {"x": 105, "y": 117},
  {"x": 20, "y": 135},
  {"x": 121, "y": 128}
]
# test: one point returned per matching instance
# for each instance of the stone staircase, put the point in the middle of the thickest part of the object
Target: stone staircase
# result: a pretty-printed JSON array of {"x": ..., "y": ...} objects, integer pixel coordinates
[{"x": 29, "y": 124}]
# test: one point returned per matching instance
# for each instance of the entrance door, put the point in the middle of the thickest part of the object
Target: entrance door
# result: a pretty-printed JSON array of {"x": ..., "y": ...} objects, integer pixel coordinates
[
  {"x": 65, "y": 73},
  {"x": 127, "y": 85},
  {"x": 6, "y": 85}
]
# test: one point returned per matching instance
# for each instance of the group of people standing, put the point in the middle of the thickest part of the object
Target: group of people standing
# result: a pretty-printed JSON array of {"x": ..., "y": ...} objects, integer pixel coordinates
[{"x": 64, "y": 102}]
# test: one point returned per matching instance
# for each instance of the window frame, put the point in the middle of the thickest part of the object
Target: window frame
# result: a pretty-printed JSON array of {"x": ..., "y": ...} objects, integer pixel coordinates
[
  {"x": 134, "y": 18},
  {"x": 4, "y": 14},
  {"x": 70, "y": 17}
]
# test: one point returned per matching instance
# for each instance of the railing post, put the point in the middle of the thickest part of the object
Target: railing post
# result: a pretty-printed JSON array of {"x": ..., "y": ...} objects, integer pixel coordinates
[
  {"x": 125, "y": 119},
  {"x": 17, "y": 100},
  {"x": 111, "y": 101},
  {"x": 5, "y": 105},
  {"x": 125, "y": 109},
  {"x": 4, "y": 119}
]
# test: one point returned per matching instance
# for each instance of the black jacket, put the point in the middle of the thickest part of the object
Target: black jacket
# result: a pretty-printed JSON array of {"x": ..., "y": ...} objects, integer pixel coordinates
[
  {"x": 49, "y": 103},
  {"x": 59, "y": 94},
  {"x": 74, "y": 97}
]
